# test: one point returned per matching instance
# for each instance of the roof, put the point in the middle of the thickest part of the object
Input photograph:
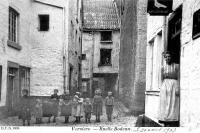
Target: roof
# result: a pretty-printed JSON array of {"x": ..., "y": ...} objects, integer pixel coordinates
[{"x": 100, "y": 15}]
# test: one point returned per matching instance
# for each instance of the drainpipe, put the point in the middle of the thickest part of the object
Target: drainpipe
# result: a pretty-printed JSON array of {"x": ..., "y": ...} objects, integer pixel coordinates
[{"x": 92, "y": 65}]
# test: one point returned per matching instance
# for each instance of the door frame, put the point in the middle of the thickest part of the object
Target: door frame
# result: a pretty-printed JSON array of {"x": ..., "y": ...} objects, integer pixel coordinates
[{"x": 15, "y": 66}]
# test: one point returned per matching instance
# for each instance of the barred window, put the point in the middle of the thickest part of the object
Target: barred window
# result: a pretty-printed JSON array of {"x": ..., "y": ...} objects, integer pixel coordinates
[{"x": 13, "y": 25}]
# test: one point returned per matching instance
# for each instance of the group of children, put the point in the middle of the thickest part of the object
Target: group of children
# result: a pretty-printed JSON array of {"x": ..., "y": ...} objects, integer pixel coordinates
[{"x": 79, "y": 107}]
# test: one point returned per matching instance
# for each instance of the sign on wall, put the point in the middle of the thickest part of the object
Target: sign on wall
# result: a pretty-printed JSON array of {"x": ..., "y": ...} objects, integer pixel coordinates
[{"x": 159, "y": 7}]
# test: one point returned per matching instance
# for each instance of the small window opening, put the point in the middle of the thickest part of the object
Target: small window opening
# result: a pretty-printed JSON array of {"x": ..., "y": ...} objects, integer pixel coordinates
[{"x": 44, "y": 22}]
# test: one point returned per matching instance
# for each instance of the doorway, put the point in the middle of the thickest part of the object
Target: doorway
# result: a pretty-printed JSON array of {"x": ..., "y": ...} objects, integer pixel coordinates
[
  {"x": 13, "y": 91},
  {"x": 174, "y": 39},
  {"x": 174, "y": 34}
]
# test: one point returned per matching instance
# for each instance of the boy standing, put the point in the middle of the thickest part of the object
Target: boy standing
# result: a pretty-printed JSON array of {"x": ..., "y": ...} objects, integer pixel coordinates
[
  {"x": 54, "y": 96},
  {"x": 38, "y": 111},
  {"x": 88, "y": 110},
  {"x": 66, "y": 105},
  {"x": 97, "y": 105},
  {"x": 25, "y": 113},
  {"x": 109, "y": 103}
]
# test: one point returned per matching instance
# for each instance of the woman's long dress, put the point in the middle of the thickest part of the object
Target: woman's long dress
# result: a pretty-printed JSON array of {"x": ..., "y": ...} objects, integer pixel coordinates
[{"x": 169, "y": 101}]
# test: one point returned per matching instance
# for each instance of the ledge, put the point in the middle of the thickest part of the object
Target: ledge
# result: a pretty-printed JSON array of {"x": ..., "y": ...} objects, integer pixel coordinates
[
  {"x": 104, "y": 65},
  {"x": 152, "y": 92},
  {"x": 14, "y": 45},
  {"x": 106, "y": 41}
]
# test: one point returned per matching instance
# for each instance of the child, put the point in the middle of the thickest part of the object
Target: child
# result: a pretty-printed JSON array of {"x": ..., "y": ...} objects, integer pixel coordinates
[
  {"x": 65, "y": 104},
  {"x": 77, "y": 107},
  {"x": 54, "y": 96},
  {"x": 97, "y": 105},
  {"x": 38, "y": 111},
  {"x": 109, "y": 103},
  {"x": 88, "y": 110},
  {"x": 25, "y": 113}
]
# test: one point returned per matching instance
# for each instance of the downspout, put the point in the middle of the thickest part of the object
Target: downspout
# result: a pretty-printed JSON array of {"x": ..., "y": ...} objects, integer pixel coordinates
[
  {"x": 64, "y": 50},
  {"x": 91, "y": 69}
]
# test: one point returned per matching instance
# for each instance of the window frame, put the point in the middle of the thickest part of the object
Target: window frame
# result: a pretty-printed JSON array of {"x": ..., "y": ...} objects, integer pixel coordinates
[
  {"x": 101, "y": 62},
  {"x": 13, "y": 32},
  {"x": 27, "y": 78}
]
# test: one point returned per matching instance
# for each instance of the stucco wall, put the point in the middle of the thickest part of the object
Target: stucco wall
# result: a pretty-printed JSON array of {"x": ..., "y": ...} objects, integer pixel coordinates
[{"x": 7, "y": 53}]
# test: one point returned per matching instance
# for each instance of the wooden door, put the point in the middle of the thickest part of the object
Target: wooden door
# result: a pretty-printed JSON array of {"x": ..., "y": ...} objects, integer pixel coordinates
[{"x": 12, "y": 91}]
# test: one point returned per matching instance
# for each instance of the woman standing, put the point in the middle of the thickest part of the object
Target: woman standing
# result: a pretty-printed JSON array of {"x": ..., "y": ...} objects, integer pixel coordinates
[{"x": 169, "y": 93}]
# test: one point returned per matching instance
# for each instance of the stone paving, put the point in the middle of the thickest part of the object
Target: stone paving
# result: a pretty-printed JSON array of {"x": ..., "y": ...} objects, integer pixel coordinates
[{"x": 119, "y": 119}]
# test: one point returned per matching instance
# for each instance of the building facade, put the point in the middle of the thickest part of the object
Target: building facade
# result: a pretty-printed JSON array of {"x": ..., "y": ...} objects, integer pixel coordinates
[
  {"x": 100, "y": 47},
  {"x": 35, "y": 44},
  {"x": 132, "y": 63},
  {"x": 179, "y": 33}
]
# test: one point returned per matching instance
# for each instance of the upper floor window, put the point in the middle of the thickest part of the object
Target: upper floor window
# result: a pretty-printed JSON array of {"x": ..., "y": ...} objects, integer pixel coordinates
[
  {"x": 196, "y": 24},
  {"x": 13, "y": 25},
  {"x": 105, "y": 57},
  {"x": 83, "y": 56},
  {"x": 106, "y": 36},
  {"x": 13, "y": 29},
  {"x": 44, "y": 22}
]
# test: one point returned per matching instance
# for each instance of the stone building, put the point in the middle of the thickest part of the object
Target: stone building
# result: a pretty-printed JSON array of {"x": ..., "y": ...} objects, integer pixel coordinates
[
  {"x": 38, "y": 48},
  {"x": 132, "y": 63},
  {"x": 100, "y": 47},
  {"x": 182, "y": 38}
]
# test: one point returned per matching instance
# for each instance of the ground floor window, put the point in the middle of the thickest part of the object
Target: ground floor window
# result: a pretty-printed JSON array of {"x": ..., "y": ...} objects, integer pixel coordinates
[{"x": 24, "y": 78}]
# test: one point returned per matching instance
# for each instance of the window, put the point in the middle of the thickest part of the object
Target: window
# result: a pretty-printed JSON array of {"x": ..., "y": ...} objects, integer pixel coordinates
[
  {"x": 24, "y": 78},
  {"x": 13, "y": 29},
  {"x": 154, "y": 55},
  {"x": 105, "y": 57},
  {"x": 13, "y": 25},
  {"x": 83, "y": 56},
  {"x": 106, "y": 36},
  {"x": 44, "y": 22},
  {"x": 196, "y": 25},
  {"x": 0, "y": 80}
]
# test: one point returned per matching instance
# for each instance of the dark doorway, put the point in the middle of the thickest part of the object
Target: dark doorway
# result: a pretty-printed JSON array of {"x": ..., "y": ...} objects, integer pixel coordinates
[
  {"x": 174, "y": 40},
  {"x": 174, "y": 32}
]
